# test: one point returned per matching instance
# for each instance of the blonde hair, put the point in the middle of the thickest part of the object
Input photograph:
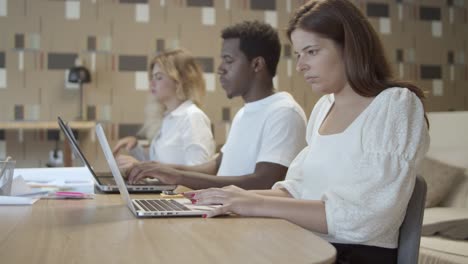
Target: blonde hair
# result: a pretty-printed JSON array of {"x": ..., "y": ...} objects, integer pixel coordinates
[{"x": 180, "y": 66}]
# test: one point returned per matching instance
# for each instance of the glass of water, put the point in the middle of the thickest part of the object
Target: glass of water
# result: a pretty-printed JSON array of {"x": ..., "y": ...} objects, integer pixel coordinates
[{"x": 6, "y": 176}]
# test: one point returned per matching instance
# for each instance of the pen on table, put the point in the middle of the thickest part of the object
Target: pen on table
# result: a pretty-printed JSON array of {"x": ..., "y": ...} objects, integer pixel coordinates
[
  {"x": 33, "y": 193},
  {"x": 76, "y": 182},
  {"x": 74, "y": 195}
]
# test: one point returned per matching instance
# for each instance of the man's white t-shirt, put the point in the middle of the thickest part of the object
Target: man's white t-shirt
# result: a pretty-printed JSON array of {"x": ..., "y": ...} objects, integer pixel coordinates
[
  {"x": 185, "y": 138},
  {"x": 268, "y": 130}
]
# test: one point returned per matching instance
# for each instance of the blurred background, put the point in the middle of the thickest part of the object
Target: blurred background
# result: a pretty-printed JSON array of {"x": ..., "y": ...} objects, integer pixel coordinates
[{"x": 41, "y": 41}]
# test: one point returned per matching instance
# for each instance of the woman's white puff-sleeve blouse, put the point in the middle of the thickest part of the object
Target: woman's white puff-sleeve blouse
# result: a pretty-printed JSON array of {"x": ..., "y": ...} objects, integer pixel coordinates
[{"x": 365, "y": 175}]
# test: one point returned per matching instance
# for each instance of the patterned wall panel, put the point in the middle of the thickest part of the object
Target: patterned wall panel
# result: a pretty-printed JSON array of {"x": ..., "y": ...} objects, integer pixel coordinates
[{"x": 426, "y": 41}]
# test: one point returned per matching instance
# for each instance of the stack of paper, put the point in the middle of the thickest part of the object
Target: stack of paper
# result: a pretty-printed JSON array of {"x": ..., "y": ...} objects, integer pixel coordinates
[{"x": 35, "y": 182}]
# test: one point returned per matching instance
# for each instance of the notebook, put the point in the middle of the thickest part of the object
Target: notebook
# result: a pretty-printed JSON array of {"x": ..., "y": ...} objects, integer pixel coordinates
[
  {"x": 104, "y": 181},
  {"x": 148, "y": 207}
]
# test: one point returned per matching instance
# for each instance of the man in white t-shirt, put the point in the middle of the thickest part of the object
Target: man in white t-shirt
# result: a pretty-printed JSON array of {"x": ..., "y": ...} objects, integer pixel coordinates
[{"x": 266, "y": 134}]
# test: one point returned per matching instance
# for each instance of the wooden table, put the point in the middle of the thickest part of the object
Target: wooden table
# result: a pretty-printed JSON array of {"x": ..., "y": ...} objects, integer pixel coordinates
[{"x": 103, "y": 230}]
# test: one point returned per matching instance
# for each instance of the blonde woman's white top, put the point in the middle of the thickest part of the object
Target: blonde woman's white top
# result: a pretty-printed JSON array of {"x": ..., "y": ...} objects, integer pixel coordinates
[
  {"x": 366, "y": 174},
  {"x": 268, "y": 130},
  {"x": 185, "y": 138}
]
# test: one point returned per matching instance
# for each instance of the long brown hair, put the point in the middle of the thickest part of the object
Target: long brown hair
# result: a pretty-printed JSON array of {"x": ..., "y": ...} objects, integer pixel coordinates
[{"x": 367, "y": 68}]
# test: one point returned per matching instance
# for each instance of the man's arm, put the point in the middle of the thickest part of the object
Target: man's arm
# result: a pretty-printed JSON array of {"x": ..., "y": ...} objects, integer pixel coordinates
[
  {"x": 264, "y": 176},
  {"x": 211, "y": 167}
]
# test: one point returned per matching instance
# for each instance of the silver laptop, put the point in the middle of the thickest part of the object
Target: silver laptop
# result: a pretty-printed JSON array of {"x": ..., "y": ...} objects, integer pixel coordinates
[
  {"x": 148, "y": 207},
  {"x": 104, "y": 181}
]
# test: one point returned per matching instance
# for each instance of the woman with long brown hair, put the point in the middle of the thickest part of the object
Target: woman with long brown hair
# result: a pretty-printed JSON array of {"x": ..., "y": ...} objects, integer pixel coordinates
[{"x": 366, "y": 137}]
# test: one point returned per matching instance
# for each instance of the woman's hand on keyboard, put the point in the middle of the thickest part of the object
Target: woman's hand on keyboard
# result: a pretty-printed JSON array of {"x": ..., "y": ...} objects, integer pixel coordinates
[{"x": 232, "y": 198}]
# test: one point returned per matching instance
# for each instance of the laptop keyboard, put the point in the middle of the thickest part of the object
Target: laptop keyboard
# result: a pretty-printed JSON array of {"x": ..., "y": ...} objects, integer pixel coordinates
[{"x": 161, "y": 205}]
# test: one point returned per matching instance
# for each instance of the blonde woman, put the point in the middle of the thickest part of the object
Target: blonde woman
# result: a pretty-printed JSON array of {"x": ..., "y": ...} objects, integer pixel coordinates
[{"x": 179, "y": 131}]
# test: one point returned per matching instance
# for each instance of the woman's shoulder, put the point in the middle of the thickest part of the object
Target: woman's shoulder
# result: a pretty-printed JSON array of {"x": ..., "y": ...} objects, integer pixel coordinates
[
  {"x": 193, "y": 112},
  {"x": 395, "y": 122},
  {"x": 397, "y": 95}
]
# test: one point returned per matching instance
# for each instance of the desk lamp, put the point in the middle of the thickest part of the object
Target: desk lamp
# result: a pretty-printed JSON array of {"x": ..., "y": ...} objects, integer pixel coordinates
[{"x": 79, "y": 74}]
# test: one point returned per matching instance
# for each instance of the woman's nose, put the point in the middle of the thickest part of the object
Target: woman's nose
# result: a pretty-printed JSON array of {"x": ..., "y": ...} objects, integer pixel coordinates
[{"x": 300, "y": 65}]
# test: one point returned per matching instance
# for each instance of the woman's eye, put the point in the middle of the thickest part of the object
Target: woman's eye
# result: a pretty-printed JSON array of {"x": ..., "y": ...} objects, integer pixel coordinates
[{"x": 312, "y": 51}]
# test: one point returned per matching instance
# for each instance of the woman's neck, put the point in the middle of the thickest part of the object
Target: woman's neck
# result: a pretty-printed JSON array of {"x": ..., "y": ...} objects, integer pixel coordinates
[
  {"x": 171, "y": 105},
  {"x": 347, "y": 97}
]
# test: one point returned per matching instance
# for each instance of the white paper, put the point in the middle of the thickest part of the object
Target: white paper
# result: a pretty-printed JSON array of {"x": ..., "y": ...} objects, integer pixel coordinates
[
  {"x": 436, "y": 29},
  {"x": 437, "y": 88},
  {"x": 13, "y": 200},
  {"x": 141, "y": 81},
  {"x": 208, "y": 16},
  {"x": 3, "y": 78},
  {"x": 271, "y": 17},
  {"x": 72, "y": 10},
  {"x": 385, "y": 27},
  {"x": 210, "y": 81},
  {"x": 19, "y": 186},
  {"x": 74, "y": 178},
  {"x": 142, "y": 13},
  {"x": 3, "y": 8}
]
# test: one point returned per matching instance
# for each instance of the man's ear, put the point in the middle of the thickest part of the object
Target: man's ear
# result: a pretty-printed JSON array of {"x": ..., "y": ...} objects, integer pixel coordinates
[{"x": 258, "y": 64}]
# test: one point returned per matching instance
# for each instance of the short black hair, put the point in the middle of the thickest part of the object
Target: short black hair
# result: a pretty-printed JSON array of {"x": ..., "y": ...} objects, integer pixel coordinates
[{"x": 256, "y": 39}]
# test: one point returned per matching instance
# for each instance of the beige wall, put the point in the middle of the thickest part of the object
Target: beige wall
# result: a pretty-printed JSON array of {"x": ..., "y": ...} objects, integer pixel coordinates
[{"x": 37, "y": 38}]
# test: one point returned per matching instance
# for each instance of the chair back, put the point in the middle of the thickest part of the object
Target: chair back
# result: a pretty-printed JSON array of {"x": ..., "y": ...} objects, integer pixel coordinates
[{"x": 410, "y": 230}]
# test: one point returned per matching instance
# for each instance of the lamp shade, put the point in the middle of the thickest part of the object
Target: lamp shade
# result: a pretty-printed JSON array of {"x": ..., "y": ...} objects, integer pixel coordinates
[{"x": 79, "y": 74}]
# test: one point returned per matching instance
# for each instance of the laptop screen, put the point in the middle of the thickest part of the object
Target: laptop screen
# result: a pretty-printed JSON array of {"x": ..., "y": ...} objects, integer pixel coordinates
[{"x": 77, "y": 151}]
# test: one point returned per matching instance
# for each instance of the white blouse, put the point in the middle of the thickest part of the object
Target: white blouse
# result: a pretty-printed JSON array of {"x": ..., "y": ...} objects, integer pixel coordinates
[
  {"x": 185, "y": 138},
  {"x": 366, "y": 174}
]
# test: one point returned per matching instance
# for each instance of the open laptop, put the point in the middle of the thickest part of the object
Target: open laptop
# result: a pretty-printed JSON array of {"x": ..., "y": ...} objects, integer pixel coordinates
[
  {"x": 148, "y": 207},
  {"x": 104, "y": 182}
]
